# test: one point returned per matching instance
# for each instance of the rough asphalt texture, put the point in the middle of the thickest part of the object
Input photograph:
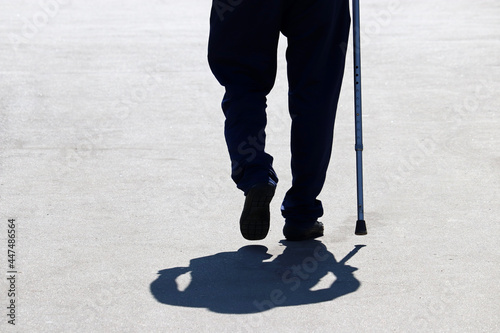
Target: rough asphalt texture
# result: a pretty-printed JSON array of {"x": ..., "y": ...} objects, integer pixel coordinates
[{"x": 114, "y": 167}]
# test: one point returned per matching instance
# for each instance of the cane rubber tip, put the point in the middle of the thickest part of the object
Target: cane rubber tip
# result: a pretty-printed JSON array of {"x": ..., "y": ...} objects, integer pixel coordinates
[{"x": 360, "y": 227}]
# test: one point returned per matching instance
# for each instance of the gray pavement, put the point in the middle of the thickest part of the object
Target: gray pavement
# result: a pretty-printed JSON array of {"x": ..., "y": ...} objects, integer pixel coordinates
[{"x": 114, "y": 167}]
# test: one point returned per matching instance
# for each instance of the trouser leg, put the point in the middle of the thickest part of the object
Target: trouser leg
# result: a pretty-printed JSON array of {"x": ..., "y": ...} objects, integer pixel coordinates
[
  {"x": 242, "y": 56},
  {"x": 317, "y": 32}
]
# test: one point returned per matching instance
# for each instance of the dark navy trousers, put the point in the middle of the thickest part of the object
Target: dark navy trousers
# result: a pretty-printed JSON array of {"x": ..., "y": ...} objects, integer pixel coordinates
[{"x": 242, "y": 54}]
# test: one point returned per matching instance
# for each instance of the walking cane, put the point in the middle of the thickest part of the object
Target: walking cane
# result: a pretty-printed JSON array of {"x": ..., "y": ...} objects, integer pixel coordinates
[{"x": 360, "y": 223}]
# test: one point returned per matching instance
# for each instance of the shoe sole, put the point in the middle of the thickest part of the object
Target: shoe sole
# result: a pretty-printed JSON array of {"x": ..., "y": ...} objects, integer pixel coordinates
[{"x": 255, "y": 218}]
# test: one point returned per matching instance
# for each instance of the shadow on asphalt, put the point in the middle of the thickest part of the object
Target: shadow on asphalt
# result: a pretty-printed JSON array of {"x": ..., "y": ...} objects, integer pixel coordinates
[{"x": 244, "y": 282}]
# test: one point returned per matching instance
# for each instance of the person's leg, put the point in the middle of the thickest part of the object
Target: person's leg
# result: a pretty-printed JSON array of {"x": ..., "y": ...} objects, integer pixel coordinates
[
  {"x": 317, "y": 32},
  {"x": 242, "y": 56}
]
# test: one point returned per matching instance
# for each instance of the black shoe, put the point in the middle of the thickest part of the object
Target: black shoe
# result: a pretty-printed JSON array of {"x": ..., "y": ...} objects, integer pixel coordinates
[
  {"x": 293, "y": 233},
  {"x": 254, "y": 221}
]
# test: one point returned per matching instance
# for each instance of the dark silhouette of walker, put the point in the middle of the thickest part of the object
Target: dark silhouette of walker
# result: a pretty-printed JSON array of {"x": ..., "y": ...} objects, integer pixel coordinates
[{"x": 243, "y": 282}]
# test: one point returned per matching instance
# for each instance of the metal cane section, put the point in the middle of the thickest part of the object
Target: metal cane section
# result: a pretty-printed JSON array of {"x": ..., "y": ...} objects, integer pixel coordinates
[{"x": 360, "y": 224}]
